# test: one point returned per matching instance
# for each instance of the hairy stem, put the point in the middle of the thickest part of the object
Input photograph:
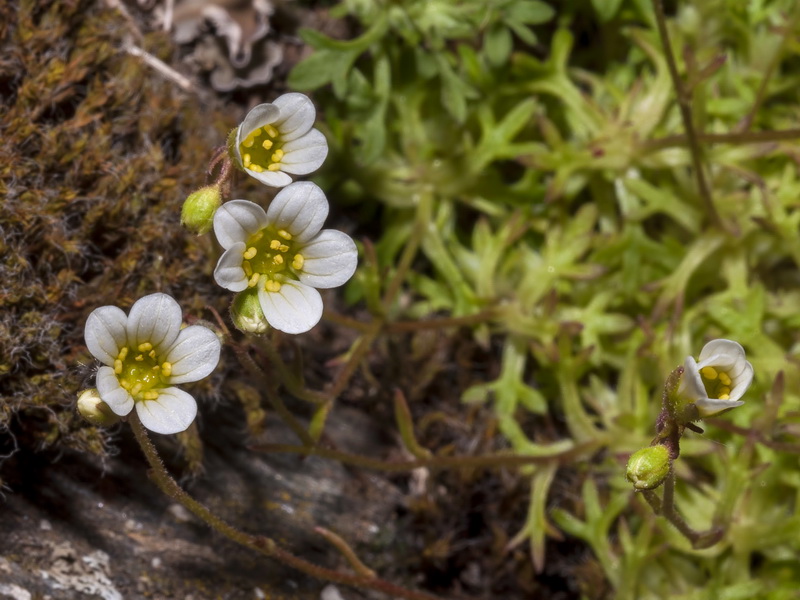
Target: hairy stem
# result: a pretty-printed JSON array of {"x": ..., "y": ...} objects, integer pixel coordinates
[
  {"x": 684, "y": 103},
  {"x": 259, "y": 543}
]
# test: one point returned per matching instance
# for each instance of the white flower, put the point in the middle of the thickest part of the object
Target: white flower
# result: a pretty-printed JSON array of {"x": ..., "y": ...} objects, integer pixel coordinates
[
  {"x": 283, "y": 254},
  {"x": 276, "y": 139},
  {"x": 145, "y": 354},
  {"x": 716, "y": 383}
]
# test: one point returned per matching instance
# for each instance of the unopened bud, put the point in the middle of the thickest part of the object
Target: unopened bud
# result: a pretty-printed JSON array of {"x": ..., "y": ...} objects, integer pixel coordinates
[
  {"x": 246, "y": 313},
  {"x": 197, "y": 214},
  {"x": 94, "y": 410},
  {"x": 648, "y": 467}
]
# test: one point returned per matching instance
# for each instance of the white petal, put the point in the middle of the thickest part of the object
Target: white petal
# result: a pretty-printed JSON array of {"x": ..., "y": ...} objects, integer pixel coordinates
[
  {"x": 306, "y": 154},
  {"x": 691, "y": 385},
  {"x": 172, "y": 412},
  {"x": 156, "y": 319},
  {"x": 297, "y": 115},
  {"x": 194, "y": 355},
  {"x": 330, "y": 259},
  {"x": 296, "y": 308},
  {"x": 708, "y": 407},
  {"x": 229, "y": 272},
  {"x": 741, "y": 381},
  {"x": 263, "y": 114},
  {"x": 105, "y": 333},
  {"x": 271, "y": 178},
  {"x": 237, "y": 220},
  {"x": 112, "y": 393},
  {"x": 300, "y": 209}
]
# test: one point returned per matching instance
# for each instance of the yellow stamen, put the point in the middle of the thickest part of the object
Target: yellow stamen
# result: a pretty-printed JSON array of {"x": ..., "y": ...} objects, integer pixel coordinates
[
  {"x": 256, "y": 168},
  {"x": 283, "y": 248},
  {"x": 166, "y": 368},
  {"x": 139, "y": 357},
  {"x": 278, "y": 260},
  {"x": 266, "y": 144},
  {"x": 152, "y": 354},
  {"x": 272, "y": 286},
  {"x": 123, "y": 353},
  {"x": 709, "y": 372},
  {"x": 246, "y": 159},
  {"x": 248, "y": 143},
  {"x": 257, "y": 236},
  {"x": 274, "y": 167},
  {"x": 284, "y": 234},
  {"x": 145, "y": 347},
  {"x": 253, "y": 280},
  {"x": 248, "y": 270},
  {"x": 724, "y": 391},
  {"x": 275, "y": 244},
  {"x": 250, "y": 253},
  {"x": 298, "y": 261},
  {"x": 156, "y": 367},
  {"x": 125, "y": 384},
  {"x": 270, "y": 131},
  {"x": 724, "y": 378},
  {"x": 151, "y": 395},
  {"x": 724, "y": 397},
  {"x": 277, "y": 156},
  {"x": 136, "y": 389},
  {"x": 118, "y": 366}
]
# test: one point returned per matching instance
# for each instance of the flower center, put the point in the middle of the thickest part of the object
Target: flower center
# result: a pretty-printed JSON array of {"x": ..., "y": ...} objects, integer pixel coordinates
[
  {"x": 717, "y": 383},
  {"x": 271, "y": 256},
  {"x": 261, "y": 150},
  {"x": 141, "y": 372}
]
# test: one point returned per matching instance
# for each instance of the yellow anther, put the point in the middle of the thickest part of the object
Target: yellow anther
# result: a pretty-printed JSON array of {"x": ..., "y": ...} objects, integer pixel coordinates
[
  {"x": 136, "y": 389},
  {"x": 278, "y": 260},
  {"x": 724, "y": 397},
  {"x": 118, "y": 366},
  {"x": 248, "y": 269},
  {"x": 139, "y": 357},
  {"x": 156, "y": 367},
  {"x": 248, "y": 143},
  {"x": 145, "y": 347},
  {"x": 272, "y": 286},
  {"x": 125, "y": 384},
  {"x": 250, "y": 252},
  {"x": 246, "y": 159},
  {"x": 724, "y": 391},
  {"x": 275, "y": 244},
  {"x": 274, "y": 167},
  {"x": 724, "y": 378},
  {"x": 283, "y": 248},
  {"x": 123, "y": 353},
  {"x": 277, "y": 156},
  {"x": 256, "y": 168},
  {"x": 253, "y": 280},
  {"x": 284, "y": 234},
  {"x": 152, "y": 354},
  {"x": 257, "y": 237},
  {"x": 709, "y": 372},
  {"x": 270, "y": 131},
  {"x": 166, "y": 368},
  {"x": 298, "y": 261},
  {"x": 151, "y": 395},
  {"x": 266, "y": 144}
]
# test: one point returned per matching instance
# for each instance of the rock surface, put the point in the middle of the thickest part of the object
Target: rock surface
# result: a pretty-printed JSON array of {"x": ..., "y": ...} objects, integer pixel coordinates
[{"x": 76, "y": 529}]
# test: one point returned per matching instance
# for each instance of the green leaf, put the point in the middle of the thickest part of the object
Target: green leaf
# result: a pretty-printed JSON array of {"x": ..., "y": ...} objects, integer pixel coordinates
[
  {"x": 497, "y": 44},
  {"x": 530, "y": 12},
  {"x": 606, "y": 9}
]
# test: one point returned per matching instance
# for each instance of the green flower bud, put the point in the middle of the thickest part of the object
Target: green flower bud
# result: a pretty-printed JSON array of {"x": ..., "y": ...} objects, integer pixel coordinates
[
  {"x": 246, "y": 312},
  {"x": 197, "y": 214},
  {"x": 648, "y": 467},
  {"x": 94, "y": 410}
]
